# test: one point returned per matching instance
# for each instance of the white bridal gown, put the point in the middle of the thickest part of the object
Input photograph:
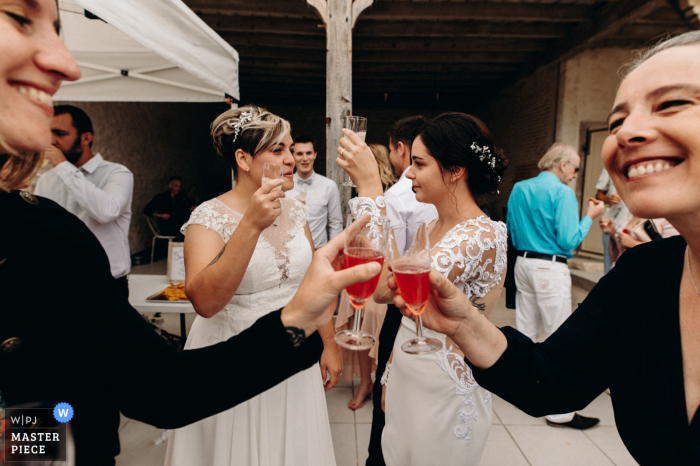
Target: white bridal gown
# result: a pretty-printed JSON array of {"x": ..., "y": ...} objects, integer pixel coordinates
[
  {"x": 287, "y": 424},
  {"x": 436, "y": 413}
]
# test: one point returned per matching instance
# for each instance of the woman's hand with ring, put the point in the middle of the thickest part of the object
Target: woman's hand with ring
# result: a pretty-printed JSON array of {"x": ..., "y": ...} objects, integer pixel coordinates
[{"x": 356, "y": 158}]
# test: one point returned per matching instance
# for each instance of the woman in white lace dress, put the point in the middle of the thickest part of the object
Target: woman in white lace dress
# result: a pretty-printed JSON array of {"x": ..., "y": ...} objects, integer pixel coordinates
[
  {"x": 246, "y": 253},
  {"x": 435, "y": 412}
]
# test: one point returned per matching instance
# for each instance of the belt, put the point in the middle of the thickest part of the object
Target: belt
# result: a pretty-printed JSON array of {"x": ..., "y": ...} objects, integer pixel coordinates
[{"x": 546, "y": 257}]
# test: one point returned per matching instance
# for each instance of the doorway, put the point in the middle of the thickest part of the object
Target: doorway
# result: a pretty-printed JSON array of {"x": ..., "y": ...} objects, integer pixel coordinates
[{"x": 592, "y": 168}]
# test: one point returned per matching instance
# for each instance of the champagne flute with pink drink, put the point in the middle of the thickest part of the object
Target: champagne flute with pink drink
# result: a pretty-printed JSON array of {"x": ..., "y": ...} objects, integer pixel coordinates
[
  {"x": 366, "y": 246},
  {"x": 409, "y": 252}
]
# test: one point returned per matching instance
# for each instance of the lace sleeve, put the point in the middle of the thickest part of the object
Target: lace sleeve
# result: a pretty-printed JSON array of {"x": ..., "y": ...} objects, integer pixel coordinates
[
  {"x": 473, "y": 255},
  {"x": 376, "y": 207},
  {"x": 367, "y": 205},
  {"x": 214, "y": 216}
]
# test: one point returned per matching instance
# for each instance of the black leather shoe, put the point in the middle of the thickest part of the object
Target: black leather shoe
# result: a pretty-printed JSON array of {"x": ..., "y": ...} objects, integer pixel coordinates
[{"x": 578, "y": 422}]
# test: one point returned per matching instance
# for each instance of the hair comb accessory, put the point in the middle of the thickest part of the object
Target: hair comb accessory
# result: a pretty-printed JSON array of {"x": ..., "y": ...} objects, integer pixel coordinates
[
  {"x": 244, "y": 118},
  {"x": 484, "y": 154}
]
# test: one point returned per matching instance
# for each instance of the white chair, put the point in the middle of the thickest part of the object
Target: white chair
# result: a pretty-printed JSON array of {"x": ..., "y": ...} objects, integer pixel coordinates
[{"x": 156, "y": 235}]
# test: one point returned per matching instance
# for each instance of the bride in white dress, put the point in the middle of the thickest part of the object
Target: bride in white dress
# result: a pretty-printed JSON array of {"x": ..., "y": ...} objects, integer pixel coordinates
[
  {"x": 246, "y": 253},
  {"x": 436, "y": 413}
]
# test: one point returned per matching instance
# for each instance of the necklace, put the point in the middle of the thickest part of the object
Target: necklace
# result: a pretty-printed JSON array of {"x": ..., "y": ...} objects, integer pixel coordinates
[{"x": 690, "y": 271}]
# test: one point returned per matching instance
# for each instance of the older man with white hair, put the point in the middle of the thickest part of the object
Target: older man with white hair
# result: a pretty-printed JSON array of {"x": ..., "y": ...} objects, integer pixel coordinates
[{"x": 544, "y": 227}]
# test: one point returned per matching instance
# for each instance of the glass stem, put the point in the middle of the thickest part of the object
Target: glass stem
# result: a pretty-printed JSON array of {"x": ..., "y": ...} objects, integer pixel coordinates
[
  {"x": 419, "y": 327},
  {"x": 356, "y": 324}
]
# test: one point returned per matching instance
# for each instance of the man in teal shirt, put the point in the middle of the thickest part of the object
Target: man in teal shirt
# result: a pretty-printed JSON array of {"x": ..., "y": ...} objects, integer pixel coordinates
[{"x": 544, "y": 227}]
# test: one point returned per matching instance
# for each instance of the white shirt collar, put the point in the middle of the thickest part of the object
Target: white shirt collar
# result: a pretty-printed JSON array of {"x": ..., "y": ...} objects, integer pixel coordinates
[{"x": 91, "y": 165}]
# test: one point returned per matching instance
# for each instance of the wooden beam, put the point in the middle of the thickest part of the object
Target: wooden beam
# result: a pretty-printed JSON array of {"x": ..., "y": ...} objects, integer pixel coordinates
[
  {"x": 479, "y": 44},
  {"x": 236, "y": 39},
  {"x": 422, "y": 56},
  {"x": 449, "y": 11},
  {"x": 264, "y": 25},
  {"x": 267, "y": 8},
  {"x": 433, "y": 67},
  {"x": 607, "y": 22},
  {"x": 460, "y": 29}
]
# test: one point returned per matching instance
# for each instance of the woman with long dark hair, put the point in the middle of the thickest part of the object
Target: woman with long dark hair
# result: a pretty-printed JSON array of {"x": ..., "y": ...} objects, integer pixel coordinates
[{"x": 435, "y": 411}]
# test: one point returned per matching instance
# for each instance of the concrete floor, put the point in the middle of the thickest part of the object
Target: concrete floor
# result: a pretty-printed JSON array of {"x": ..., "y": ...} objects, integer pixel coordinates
[{"x": 515, "y": 438}]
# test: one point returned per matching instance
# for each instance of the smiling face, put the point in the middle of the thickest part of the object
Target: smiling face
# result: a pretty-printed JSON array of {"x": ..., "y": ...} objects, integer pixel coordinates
[
  {"x": 653, "y": 150},
  {"x": 304, "y": 156},
  {"x": 429, "y": 181},
  {"x": 34, "y": 63},
  {"x": 280, "y": 154}
]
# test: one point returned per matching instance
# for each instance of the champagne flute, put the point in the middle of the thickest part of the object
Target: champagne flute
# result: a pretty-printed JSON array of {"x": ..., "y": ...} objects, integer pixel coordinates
[
  {"x": 357, "y": 125},
  {"x": 409, "y": 252},
  {"x": 366, "y": 246},
  {"x": 273, "y": 171}
]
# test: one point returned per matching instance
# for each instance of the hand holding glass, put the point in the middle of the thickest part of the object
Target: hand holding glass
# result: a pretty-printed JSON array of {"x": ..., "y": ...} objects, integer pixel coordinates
[
  {"x": 409, "y": 252},
  {"x": 367, "y": 246},
  {"x": 357, "y": 125}
]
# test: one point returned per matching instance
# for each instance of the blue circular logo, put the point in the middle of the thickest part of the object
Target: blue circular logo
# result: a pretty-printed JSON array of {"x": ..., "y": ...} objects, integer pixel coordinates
[{"x": 63, "y": 412}]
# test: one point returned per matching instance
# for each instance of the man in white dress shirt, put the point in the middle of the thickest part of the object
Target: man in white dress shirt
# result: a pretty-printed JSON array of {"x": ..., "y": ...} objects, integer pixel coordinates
[
  {"x": 318, "y": 192},
  {"x": 96, "y": 191},
  {"x": 401, "y": 207}
]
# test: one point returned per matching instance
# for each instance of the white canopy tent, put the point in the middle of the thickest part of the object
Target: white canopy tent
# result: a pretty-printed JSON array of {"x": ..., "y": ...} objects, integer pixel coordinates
[{"x": 146, "y": 51}]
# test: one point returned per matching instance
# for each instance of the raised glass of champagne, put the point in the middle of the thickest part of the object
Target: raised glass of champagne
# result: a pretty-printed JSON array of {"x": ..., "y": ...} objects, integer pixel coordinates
[{"x": 357, "y": 125}]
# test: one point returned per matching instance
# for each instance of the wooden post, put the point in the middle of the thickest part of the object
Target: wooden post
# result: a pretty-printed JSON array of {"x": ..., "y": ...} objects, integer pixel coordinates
[{"x": 339, "y": 17}]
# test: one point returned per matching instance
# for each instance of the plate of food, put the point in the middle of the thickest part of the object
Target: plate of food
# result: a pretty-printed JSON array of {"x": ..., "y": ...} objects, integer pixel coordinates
[{"x": 173, "y": 293}]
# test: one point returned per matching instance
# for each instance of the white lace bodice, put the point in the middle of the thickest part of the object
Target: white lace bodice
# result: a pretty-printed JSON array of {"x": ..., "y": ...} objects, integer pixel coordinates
[
  {"x": 472, "y": 255},
  {"x": 275, "y": 270}
]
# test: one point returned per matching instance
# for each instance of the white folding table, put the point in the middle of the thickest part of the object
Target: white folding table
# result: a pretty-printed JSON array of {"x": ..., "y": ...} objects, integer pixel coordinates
[{"x": 143, "y": 286}]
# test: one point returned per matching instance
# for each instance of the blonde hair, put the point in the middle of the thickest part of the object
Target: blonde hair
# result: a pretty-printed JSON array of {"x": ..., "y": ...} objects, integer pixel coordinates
[
  {"x": 555, "y": 155},
  {"x": 386, "y": 171},
  {"x": 688, "y": 38},
  {"x": 15, "y": 167},
  {"x": 259, "y": 131}
]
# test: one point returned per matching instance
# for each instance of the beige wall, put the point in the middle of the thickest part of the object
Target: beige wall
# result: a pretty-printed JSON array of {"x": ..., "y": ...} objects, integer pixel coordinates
[{"x": 589, "y": 83}]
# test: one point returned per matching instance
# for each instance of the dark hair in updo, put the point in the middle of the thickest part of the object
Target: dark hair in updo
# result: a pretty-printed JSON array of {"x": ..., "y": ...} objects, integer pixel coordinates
[{"x": 449, "y": 138}]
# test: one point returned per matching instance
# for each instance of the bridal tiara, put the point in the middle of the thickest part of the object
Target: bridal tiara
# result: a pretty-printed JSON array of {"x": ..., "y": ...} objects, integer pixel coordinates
[{"x": 237, "y": 125}]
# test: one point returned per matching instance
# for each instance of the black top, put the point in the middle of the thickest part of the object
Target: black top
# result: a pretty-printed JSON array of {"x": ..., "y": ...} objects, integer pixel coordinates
[
  {"x": 178, "y": 209},
  {"x": 82, "y": 343},
  {"x": 625, "y": 336}
]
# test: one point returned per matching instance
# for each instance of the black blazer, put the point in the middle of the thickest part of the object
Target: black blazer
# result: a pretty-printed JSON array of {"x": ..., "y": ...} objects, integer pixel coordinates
[
  {"x": 82, "y": 343},
  {"x": 625, "y": 336}
]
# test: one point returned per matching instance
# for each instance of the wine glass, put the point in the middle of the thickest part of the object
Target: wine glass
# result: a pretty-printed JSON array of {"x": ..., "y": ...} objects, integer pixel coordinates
[
  {"x": 366, "y": 246},
  {"x": 409, "y": 252},
  {"x": 273, "y": 171},
  {"x": 357, "y": 125}
]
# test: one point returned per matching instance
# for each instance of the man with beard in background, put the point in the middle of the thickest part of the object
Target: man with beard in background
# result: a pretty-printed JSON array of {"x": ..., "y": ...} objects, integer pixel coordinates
[{"x": 94, "y": 190}]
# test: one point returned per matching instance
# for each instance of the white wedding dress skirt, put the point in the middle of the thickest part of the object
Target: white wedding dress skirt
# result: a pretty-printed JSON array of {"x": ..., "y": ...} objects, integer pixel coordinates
[
  {"x": 435, "y": 413},
  {"x": 288, "y": 424}
]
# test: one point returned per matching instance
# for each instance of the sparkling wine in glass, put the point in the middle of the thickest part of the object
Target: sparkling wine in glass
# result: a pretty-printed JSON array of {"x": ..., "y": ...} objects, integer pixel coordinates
[
  {"x": 357, "y": 125},
  {"x": 409, "y": 252},
  {"x": 273, "y": 171},
  {"x": 302, "y": 195},
  {"x": 366, "y": 246}
]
